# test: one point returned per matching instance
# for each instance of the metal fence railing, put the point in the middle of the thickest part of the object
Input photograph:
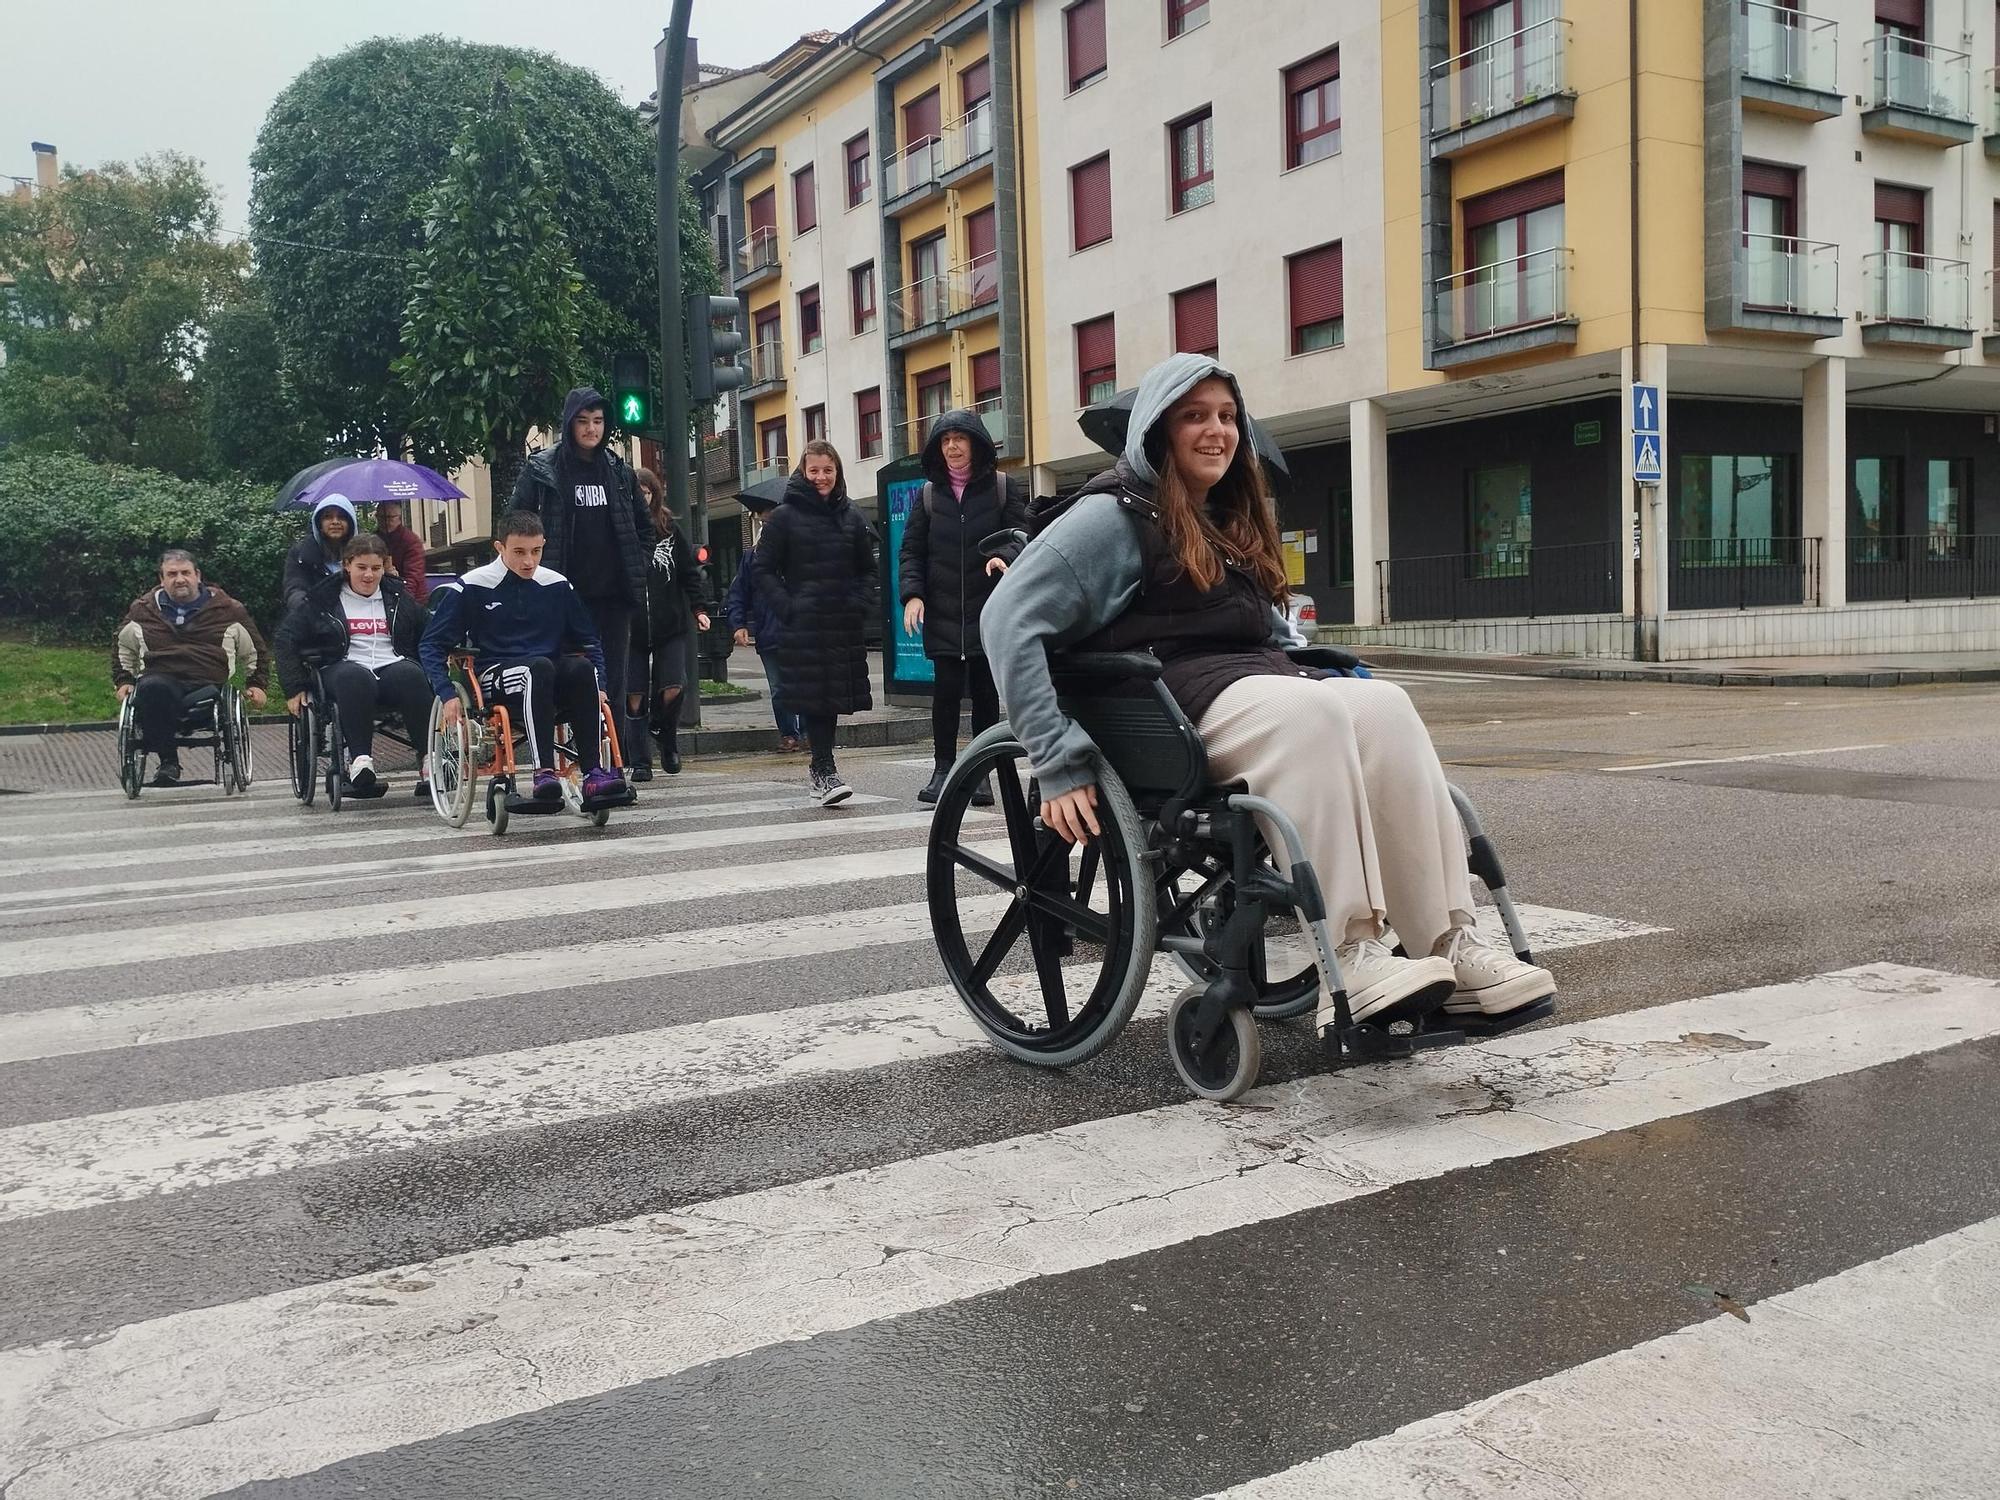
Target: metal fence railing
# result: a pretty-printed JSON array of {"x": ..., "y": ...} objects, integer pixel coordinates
[
  {"x": 1506, "y": 581},
  {"x": 1742, "y": 572},
  {"x": 1926, "y": 565}
]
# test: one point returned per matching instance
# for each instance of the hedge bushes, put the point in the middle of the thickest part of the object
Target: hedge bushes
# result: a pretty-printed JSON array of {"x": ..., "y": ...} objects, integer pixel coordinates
[{"x": 80, "y": 541}]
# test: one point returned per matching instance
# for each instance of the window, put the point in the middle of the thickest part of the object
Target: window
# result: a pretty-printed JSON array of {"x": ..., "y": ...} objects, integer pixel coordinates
[
  {"x": 1728, "y": 500},
  {"x": 1315, "y": 280},
  {"x": 1191, "y": 149},
  {"x": 858, "y": 170},
  {"x": 815, "y": 420},
  {"x": 920, "y": 120},
  {"x": 1947, "y": 505},
  {"x": 1194, "y": 320},
  {"x": 925, "y": 302},
  {"x": 982, "y": 260},
  {"x": 771, "y": 443},
  {"x": 1340, "y": 567},
  {"x": 1184, "y": 16},
  {"x": 1500, "y": 519},
  {"x": 1513, "y": 53},
  {"x": 767, "y": 353},
  {"x": 868, "y": 421},
  {"x": 1903, "y": 18},
  {"x": 1312, "y": 109},
  {"x": 1513, "y": 257},
  {"x": 1090, "y": 202},
  {"x": 812, "y": 338},
  {"x": 975, "y": 86},
  {"x": 805, "y": 201},
  {"x": 1083, "y": 41},
  {"x": 762, "y": 241},
  {"x": 1770, "y": 236},
  {"x": 1096, "y": 361},
  {"x": 1904, "y": 293},
  {"x": 933, "y": 400},
  {"x": 1875, "y": 510},
  {"x": 986, "y": 380},
  {"x": 861, "y": 294}
]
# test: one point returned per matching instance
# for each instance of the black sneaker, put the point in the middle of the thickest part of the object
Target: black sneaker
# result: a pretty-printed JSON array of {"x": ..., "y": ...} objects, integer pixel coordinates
[
  {"x": 167, "y": 773},
  {"x": 422, "y": 789},
  {"x": 639, "y": 773},
  {"x": 830, "y": 789},
  {"x": 934, "y": 788}
]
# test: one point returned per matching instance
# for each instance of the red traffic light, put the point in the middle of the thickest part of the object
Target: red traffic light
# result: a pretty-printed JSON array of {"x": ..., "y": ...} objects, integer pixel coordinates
[{"x": 701, "y": 554}]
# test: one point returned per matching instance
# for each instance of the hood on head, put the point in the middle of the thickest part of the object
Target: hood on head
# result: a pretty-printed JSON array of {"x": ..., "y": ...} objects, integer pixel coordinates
[
  {"x": 1160, "y": 387},
  {"x": 799, "y": 490},
  {"x": 581, "y": 399},
  {"x": 339, "y": 503},
  {"x": 985, "y": 457}
]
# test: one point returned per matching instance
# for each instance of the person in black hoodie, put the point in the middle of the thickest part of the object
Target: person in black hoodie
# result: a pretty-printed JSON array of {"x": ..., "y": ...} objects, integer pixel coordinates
[
  {"x": 944, "y": 580},
  {"x": 315, "y": 557},
  {"x": 816, "y": 567},
  {"x": 675, "y": 586},
  {"x": 364, "y": 627},
  {"x": 599, "y": 534}
]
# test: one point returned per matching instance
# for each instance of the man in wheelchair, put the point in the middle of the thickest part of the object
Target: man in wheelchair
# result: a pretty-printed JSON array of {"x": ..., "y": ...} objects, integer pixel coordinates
[
  {"x": 534, "y": 648},
  {"x": 1175, "y": 551},
  {"x": 359, "y": 630},
  {"x": 175, "y": 646}
]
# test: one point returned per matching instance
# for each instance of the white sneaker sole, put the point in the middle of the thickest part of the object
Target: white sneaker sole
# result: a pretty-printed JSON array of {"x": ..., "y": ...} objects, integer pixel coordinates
[
  {"x": 1502, "y": 998},
  {"x": 833, "y": 796},
  {"x": 1417, "y": 989}
]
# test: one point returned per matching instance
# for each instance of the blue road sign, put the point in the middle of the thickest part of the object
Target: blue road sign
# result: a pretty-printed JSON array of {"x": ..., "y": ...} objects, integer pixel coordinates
[
  {"x": 1646, "y": 408},
  {"x": 1645, "y": 458}
]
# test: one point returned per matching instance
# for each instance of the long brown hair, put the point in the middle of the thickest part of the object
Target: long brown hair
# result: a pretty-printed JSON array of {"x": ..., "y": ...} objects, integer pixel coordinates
[
  {"x": 1249, "y": 528},
  {"x": 656, "y": 498}
]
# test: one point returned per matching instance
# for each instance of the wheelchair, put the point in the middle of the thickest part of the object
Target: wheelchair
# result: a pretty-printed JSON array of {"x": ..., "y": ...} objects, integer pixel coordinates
[
  {"x": 478, "y": 754},
  {"x": 212, "y": 718},
  {"x": 314, "y": 738},
  {"x": 1180, "y": 872}
]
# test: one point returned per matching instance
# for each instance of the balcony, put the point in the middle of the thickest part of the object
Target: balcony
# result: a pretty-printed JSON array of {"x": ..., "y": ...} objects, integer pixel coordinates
[
  {"x": 1990, "y": 345},
  {"x": 767, "y": 370},
  {"x": 1788, "y": 285},
  {"x": 1915, "y": 301},
  {"x": 1790, "y": 62},
  {"x": 767, "y": 466},
  {"x": 756, "y": 258},
  {"x": 1507, "y": 307},
  {"x": 968, "y": 145},
  {"x": 993, "y": 414},
  {"x": 955, "y": 299},
  {"x": 1917, "y": 92},
  {"x": 914, "y": 175},
  {"x": 1506, "y": 88},
  {"x": 1992, "y": 112}
]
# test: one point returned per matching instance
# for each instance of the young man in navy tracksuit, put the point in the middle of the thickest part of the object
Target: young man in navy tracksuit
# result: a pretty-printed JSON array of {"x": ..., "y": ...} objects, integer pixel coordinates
[{"x": 523, "y": 623}]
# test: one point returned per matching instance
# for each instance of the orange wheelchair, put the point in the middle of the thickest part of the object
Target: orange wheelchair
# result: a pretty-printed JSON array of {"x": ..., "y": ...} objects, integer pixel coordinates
[{"x": 478, "y": 753}]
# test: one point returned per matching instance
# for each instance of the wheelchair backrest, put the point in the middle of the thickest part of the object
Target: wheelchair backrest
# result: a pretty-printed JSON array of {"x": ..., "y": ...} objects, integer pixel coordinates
[{"x": 1141, "y": 733}]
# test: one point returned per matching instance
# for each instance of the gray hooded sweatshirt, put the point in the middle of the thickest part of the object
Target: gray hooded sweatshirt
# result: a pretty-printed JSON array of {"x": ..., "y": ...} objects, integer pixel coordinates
[{"x": 1076, "y": 577}]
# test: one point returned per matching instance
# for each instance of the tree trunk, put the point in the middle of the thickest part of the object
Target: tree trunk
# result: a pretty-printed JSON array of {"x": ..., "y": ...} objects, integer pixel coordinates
[{"x": 509, "y": 453}]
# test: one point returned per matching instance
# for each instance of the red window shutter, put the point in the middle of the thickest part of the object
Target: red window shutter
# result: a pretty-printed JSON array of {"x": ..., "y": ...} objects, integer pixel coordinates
[
  {"x": 868, "y": 404},
  {"x": 920, "y": 119},
  {"x": 1314, "y": 71},
  {"x": 768, "y": 324},
  {"x": 1317, "y": 292},
  {"x": 1474, "y": 7},
  {"x": 1513, "y": 200},
  {"x": 1083, "y": 28},
  {"x": 1766, "y": 180},
  {"x": 1096, "y": 352},
  {"x": 1194, "y": 320},
  {"x": 986, "y": 375},
  {"x": 1901, "y": 13},
  {"x": 805, "y": 201},
  {"x": 1090, "y": 202},
  {"x": 975, "y": 84},
  {"x": 764, "y": 210},
  {"x": 980, "y": 235},
  {"x": 1898, "y": 205}
]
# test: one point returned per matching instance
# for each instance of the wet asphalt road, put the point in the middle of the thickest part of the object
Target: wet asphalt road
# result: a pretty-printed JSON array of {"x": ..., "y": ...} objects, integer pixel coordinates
[{"x": 349, "y": 1155}]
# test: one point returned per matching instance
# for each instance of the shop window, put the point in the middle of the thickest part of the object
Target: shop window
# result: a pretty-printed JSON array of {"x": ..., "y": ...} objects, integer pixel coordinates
[
  {"x": 1947, "y": 505},
  {"x": 1501, "y": 516},
  {"x": 1730, "y": 499},
  {"x": 1875, "y": 510}
]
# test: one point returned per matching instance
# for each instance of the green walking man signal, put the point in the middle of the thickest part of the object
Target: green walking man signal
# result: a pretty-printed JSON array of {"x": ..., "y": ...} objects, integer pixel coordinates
[
  {"x": 715, "y": 336},
  {"x": 632, "y": 390}
]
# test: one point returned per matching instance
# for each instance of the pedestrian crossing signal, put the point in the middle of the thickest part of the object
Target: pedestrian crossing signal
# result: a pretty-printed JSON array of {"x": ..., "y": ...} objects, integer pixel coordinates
[{"x": 632, "y": 390}]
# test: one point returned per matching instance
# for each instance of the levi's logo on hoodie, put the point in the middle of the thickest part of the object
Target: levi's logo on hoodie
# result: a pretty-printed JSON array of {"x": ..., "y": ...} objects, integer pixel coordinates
[{"x": 591, "y": 494}]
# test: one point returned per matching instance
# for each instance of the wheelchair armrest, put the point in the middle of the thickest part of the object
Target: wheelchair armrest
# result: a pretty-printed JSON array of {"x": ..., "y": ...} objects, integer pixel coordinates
[
  {"x": 1005, "y": 545},
  {"x": 1108, "y": 666},
  {"x": 1327, "y": 658}
]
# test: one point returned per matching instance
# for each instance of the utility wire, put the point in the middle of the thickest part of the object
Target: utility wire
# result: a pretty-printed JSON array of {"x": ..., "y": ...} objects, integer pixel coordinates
[{"x": 240, "y": 234}]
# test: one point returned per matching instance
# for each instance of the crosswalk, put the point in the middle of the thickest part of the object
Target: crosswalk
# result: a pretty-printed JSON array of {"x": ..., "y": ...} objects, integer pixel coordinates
[{"x": 348, "y": 1154}]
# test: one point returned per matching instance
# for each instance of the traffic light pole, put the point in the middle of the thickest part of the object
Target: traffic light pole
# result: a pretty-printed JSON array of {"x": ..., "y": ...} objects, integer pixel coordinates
[{"x": 673, "y": 336}]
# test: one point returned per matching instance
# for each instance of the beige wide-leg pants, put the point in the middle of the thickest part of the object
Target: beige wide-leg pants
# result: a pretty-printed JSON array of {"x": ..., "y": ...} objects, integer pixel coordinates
[{"x": 1351, "y": 762}]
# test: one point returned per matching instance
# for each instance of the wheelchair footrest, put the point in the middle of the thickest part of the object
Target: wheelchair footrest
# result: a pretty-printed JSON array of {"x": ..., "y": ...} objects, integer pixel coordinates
[
  {"x": 529, "y": 807},
  {"x": 629, "y": 797},
  {"x": 1478, "y": 1024},
  {"x": 1366, "y": 1042}
]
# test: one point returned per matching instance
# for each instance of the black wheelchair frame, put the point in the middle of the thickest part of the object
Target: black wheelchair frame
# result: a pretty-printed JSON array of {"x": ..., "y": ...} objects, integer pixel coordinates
[
  {"x": 313, "y": 735},
  {"x": 1180, "y": 870},
  {"x": 226, "y": 732}
]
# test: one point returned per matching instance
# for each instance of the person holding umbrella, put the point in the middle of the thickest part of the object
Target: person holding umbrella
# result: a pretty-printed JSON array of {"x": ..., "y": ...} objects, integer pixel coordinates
[
  {"x": 406, "y": 549},
  {"x": 675, "y": 585},
  {"x": 331, "y": 489},
  {"x": 600, "y": 536},
  {"x": 747, "y": 610}
]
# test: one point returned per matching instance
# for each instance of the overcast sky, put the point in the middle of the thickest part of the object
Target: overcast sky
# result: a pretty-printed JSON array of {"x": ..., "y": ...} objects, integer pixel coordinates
[{"x": 110, "y": 80}]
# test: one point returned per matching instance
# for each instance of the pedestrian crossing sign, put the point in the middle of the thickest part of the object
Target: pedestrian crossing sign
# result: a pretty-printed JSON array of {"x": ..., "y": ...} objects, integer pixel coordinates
[{"x": 1645, "y": 458}]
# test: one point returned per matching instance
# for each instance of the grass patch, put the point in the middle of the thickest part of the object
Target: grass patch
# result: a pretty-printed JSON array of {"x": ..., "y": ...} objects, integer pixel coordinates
[
  {"x": 710, "y": 689},
  {"x": 55, "y": 684}
]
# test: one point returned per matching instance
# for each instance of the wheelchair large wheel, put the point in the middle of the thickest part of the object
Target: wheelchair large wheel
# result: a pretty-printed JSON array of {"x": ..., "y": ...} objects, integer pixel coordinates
[
  {"x": 131, "y": 760},
  {"x": 239, "y": 740},
  {"x": 1294, "y": 991},
  {"x": 1227, "y": 1068},
  {"x": 1086, "y": 912},
  {"x": 336, "y": 762},
  {"x": 454, "y": 765},
  {"x": 302, "y": 750}
]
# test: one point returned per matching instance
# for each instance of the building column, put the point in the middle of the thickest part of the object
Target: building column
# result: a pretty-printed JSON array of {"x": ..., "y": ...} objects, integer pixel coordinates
[
  {"x": 1824, "y": 477},
  {"x": 1368, "y": 470}
]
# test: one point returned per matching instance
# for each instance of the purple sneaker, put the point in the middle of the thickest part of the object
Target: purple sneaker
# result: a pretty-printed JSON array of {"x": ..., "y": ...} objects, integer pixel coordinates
[
  {"x": 601, "y": 784},
  {"x": 548, "y": 787}
]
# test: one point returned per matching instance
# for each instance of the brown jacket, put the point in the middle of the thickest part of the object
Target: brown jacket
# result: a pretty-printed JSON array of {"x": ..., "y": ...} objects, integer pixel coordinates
[{"x": 219, "y": 640}]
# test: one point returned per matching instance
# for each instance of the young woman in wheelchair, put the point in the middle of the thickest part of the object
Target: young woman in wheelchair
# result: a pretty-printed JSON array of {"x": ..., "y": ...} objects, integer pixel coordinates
[
  {"x": 360, "y": 630},
  {"x": 1175, "y": 550}
]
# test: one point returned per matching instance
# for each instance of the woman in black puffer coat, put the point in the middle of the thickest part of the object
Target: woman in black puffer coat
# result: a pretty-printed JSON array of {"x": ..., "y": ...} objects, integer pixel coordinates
[
  {"x": 816, "y": 569},
  {"x": 944, "y": 580}
]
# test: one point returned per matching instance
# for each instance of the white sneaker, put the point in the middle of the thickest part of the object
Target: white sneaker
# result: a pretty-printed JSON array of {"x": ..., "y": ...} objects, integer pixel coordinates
[
  {"x": 1383, "y": 988},
  {"x": 1490, "y": 981},
  {"x": 361, "y": 773}
]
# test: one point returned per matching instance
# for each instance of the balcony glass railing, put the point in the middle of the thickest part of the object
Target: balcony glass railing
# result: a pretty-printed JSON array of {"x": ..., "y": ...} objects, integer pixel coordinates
[
  {"x": 1785, "y": 274},
  {"x": 1925, "y": 289},
  {"x": 1993, "y": 101},
  {"x": 757, "y": 252},
  {"x": 1927, "y": 80},
  {"x": 920, "y": 304},
  {"x": 1506, "y": 74},
  {"x": 994, "y": 414},
  {"x": 969, "y": 137},
  {"x": 917, "y": 165},
  {"x": 976, "y": 284},
  {"x": 767, "y": 363},
  {"x": 768, "y": 466},
  {"x": 1526, "y": 291},
  {"x": 1790, "y": 46}
]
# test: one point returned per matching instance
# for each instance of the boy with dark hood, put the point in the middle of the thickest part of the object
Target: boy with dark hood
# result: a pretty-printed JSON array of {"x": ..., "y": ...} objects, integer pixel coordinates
[
  {"x": 316, "y": 555},
  {"x": 600, "y": 536}
]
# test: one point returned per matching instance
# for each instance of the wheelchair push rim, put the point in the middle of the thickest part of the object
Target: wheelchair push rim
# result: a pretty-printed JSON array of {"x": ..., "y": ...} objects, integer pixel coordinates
[
  {"x": 239, "y": 740},
  {"x": 454, "y": 769},
  {"x": 131, "y": 760},
  {"x": 302, "y": 748},
  {"x": 1082, "y": 916}
]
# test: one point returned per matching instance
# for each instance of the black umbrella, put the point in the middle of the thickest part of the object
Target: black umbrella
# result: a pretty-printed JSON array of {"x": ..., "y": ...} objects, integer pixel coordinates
[
  {"x": 764, "y": 495},
  {"x": 1106, "y": 423}
]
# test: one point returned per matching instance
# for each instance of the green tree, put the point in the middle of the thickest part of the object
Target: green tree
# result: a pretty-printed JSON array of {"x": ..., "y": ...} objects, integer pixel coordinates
[
  {"x": 343, "y": 162},
  {"x": 250, "y": 413},
  {"x": 490, "y": 330},
  {"x": 117, "y": 276}
]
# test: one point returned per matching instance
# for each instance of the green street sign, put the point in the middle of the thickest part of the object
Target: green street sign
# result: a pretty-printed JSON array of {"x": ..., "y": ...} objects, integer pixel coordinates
[{"x": 1586, "y": 433}]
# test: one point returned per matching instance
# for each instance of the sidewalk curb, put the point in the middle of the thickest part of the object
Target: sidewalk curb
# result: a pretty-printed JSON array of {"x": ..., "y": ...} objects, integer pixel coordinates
[{"x": 1691, "y": 675}]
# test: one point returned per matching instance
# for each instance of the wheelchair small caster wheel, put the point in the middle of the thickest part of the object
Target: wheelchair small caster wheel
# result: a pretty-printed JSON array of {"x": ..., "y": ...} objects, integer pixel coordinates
[
  {"x": 1227, "y": 1068},
  {"x": 498, "y": 790}
]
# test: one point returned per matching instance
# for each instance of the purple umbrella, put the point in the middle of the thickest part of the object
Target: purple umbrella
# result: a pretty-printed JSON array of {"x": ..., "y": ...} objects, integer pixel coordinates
[{"x": 365, "y": 481}]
